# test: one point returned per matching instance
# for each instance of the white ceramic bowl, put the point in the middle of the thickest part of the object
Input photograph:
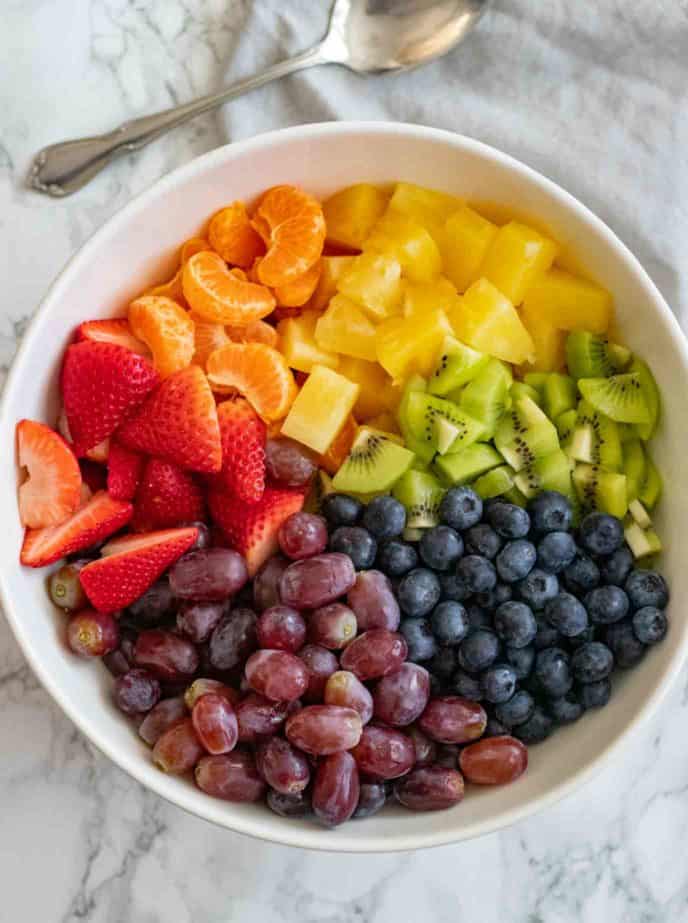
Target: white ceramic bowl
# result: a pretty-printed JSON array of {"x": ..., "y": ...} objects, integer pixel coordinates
[{"x": 137, "y": 247}]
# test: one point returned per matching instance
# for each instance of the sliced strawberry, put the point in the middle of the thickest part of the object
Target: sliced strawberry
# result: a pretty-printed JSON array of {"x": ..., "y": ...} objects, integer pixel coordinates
[
  {"x": 124, "y": 471},
  {"x": 115, "y": 330},
  {"x": 52, "y": 490},
  {"x": 99, "y": 518},
  {"x": 243, "y": 436},
  {"x": 102, "y": 385},
  {"x": 99, "y": 453},
  {"x": 178, "y": 422},
  {"x": 167, "y": 496},
  {"x": 131, "y": 564},
  {"x": 251, "y": 528}
]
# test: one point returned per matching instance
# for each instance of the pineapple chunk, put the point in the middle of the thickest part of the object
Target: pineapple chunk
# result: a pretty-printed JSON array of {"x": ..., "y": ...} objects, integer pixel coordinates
[
  {"x": 486, "y": 320},
  {"x": 377, "y": 394},
  {"x": 333, "y": 268},
  {"x": 340, "y": 447},
  {"x": 408, "y": 345},
  {"x": 321, "y": 409},
  {"x": 386, "y": 423},
  {"x": 550, "y": 342},
  {"x": 410, "y": 243},
  {"x": 426, "y": 207},
  {"x": 344, "y": 328},
  {"x": 517, "y": 255},
  {"x": 297, "y": 343},
  {"x": 467, "y": 238},
  {"x": 420, "y": 299},
  {"x": 373, "y": 281},
  {"x": 351, "y": 214},
  {"x": 569, "y": 302}
]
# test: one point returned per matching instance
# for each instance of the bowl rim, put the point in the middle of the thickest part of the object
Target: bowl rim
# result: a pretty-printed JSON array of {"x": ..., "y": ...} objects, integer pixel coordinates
[{"x": 189, "y": 799}]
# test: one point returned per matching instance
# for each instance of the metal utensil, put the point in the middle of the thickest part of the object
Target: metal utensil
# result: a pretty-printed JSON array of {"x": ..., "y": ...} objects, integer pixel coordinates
[{"x": 367, "y": 36}]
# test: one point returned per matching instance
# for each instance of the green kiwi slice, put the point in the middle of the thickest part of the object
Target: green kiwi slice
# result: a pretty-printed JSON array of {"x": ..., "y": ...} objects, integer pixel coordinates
[
  {"x": 458, "y": 364},
  {"x": 589, "y": 355},
  {"x": 421, "y": 493},
  {"x": 464, "y": 466},
  {"x": 524, "y": 433},
  {"x": 646, "y": 430},
  {"x": 374, "y": 463},
  {"x": 651, "y": 489},
  {"x": 620, "y": 397},
  {"x": 602, "y": 490},
  {"x": 559, "y": 394},
  {"x": 565, "y": 424},
  {"x": 424, "y": 413},
  {"x": 515, "y": 496},
  {"x": 495, "y": 482},
  {"x": 536, "y": 380},
  {"x": 595, "y": 439},
  {"x": 485, "y": 397},
  {"x": 521, "y": 389},
  {"x": 634, "y": 467},
  {"x": 424, "y": 453},
  {"x": 642, "y": 542},
  {"x": 548, "y": 472}
]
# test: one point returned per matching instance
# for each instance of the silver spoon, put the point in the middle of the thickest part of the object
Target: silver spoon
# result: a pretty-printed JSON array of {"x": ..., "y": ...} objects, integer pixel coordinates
[{"x": 367, "y": 36}]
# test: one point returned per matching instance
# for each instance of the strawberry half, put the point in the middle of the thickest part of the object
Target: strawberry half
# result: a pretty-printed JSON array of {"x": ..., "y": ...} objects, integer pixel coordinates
[
  {"x": 99, "y": 453},
  {"x": 178, "y": 422},
  {"x": 131, "y": 564},
  {"x": 102, "y": 385},
  {"x": 167, "y": 497},
  {"x": 243, "y": 436},
  {"x": 115, "y": 330},
  {"x": 251, "y": 528},
  {"x": 99, "y": 518},
  {"x": 52, "y": 490},
  {"x": 124, "y": 472}
]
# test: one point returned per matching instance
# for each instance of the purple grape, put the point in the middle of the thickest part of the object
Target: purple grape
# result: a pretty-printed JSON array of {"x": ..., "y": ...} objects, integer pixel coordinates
[
  {"x": 303, "y": 535},
  {"x": 372, "y": 599},
  {"x": 266, "y": 583},
  {"x": 314, "y": 582},
  {"x": 288, "y": 463},
  {"x": 281, "y": 628},
  {"x": 65, "y": 587},
  {"x": 375, "y": 653},
  {"x": 166, "y": 713},
  {"x": 196, "y": 621},
  {"x": 345, "y": 689},
  {"x": 178, "y": 749},
  {"x": 277, "y": 675},
  {"x": 332, "y": 626},
  {"x": 371, "y": 798},
  {"x": 336, "y": 789},
  {"x": 167, "y": 656},
  {"x": 298, "y": 805},
  {"x": 209, "y": 575},
  {"x": 284, "y": 768},
  {"x": 259, "y": 717},
  {"x": 155, "y": 606},
  {"x": 494, "y": 761},
  {"x": 425, "y": 747},
  {"x": 136, "y": 692},
  {"x": 430, "y": 788},
  {"x": 321, "y": 664},
  {"x": 400, "y": 698},
  {"x": 324, "y": 729},
  {"x": 384, "y": 753},
  {"x": 450, "y": 719},
  {"x": 233, "y": 639},
  {"x": 203, "y": 686},
  {"x": 231, "y": 776},
  {"x": 215, "y": 723},
  {"x": 92, "y": 634}
]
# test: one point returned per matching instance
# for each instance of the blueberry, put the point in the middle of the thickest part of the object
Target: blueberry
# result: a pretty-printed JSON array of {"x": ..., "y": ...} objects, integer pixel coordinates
[
  {"x": 646, "y": 588},
  {"x": 478, "y": 617},
  {"x": 521, "y": 659},
  {"x": 592, "y": 662},
  {"x": 553, "y": 671},
  {"x": 567, "y": 615},
  {"x": 498, "y": 683},
  {"x": 556, "y": 551},
  {"x": 461, "y": 508},
  {"x": 607, "y": 604},
  {"x": 479, "y": 650},
  {"x": 650, "y": 624},
  {"x": 585, "y": 637},
  {"x": 476, "y": 573},
  {"x": 341, "y": 510},
  {"x": 566, "y": 709},
  {"x": 453, "y": 588},
  {"x": 538, "y": 588},
  {"x": 420, "y": 639},
  {"x": 516, "y": 560},
  {"x": 396, "y": 558},
  {"x": 581, "y": 575},
  {"x": 517, "y": 710},
  {"x": 595, "y": 695},
  {"x": 483, "y": 540},
  {"x": 515, "y": 624},
  {"x": 547, "y": 635},
  {"x": 537, "y": 728},
  {"x": 617, "y": 566},
  {"x": 495, "y": 728},
  {"x": 450, "y": 622},
  {"x": 490, "y": 599},
  {"x": 626, "y": 648},
  {"x": 508, "y": 520},
  {"x": 418, "y": 592},
  {"x": 467, "y": 686},
  {"x": 443, "y": 663},
  {"x": 441, "y": 547},
  {"x": 358, "y": 543},
  {"x": 385, "y": 517},
  {"x": 550, "y": 512},
  {"x": 600, "y": 533}
]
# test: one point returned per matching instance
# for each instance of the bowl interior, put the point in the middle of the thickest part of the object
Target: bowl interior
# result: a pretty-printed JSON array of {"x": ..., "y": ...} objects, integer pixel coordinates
[{"x": 138, "y": 246}]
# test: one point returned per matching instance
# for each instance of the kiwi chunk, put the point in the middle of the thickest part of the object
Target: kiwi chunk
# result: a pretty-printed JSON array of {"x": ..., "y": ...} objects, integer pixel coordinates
[
  {"x": 495, "y": 482},
  {"x": 458, "y": 364},
  {"x": 639, "y": 514},
  {"x": 595, "y": 439},
  {"x": 524, "y": 433},
  {"x": 548, "y": 472},
  {"x": 646, "y": 430},
  {"x": 515, "y": 496},
  {"x": 485, "y": 397},
  {"x": 602, "y": 490},
  {"x": 521, "y": 389},
  {"x": 565, "y": 424},
  {"x": 421, "y": 493},
  {"x": 421, "y": 449},
  {"x": 462, "y": 467},
  {"x": 559, "y": 394},
  {"x": 620, "y": 397},
  {"x": 589, "y": 355},
  {"x": 651, "y": 488},
  {"x": 634, "y": 467},
  {"x": 642, "y": 542},
  {"x": 424, "y": 413},
  {"x": 536, "y": 380},
  {"x": 374, "y": 463}
]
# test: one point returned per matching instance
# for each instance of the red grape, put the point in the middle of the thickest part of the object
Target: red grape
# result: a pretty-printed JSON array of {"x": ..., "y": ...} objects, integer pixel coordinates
[
  {"x": 215, "y": 723},
  {"x": 153, "y": 606},
  {"x": 136, "y": 692},
  {"x": 426, "y": 749},
  {"x": 209, "y": 575},
  {"x": 288, "y": 463},
  {"x": 178, "y": 749},
  {"x": 282, "y": 766},
  {"x": 298, "y": 805},
  {"x": 316, "y": 581},
  {"x": 384, "y": 753},
  {"x": 231, "y": 776},
  {"x": 345, "y": 689},
  {"x": 336, "y": 789},
  {"x": 233, "y": 639},
  {"x": 266, "y": 583},
  {"x": 372, "y": 599},
  {"x": 65, "y": 586},
  {"x": 375, "y": 653},
  {"x": 259, "y": 717},
  {"x": 449, "y": 719},
  {"x": 166, "y": 713},
  {"x": 197, "y": 620},
  {"x": 324, "y": 729},
  {"x": 281, "y": 628},
  {"x": 372, "y": 797},
  {"x": 302, "y": 535},
  {"x": 448, "y": 756},
  {"x": 278, "y": 675},
  {"x": 332, "y": 626},
  {"x": 494, "y": 760},
  {"x": 401, "y": 697},
  {"x": 121, "y": 659},
  {"x": 430, "y": 788},
  {"x": 92, "y": 634},
  {"x": 321, "y": 664},
  {"x": 203, "y": 686},
  {"x": 167, "y": 656}
]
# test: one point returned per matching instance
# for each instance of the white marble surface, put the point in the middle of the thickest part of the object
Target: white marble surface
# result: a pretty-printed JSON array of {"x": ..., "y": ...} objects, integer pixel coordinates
[{"x": 593, "y": 95}]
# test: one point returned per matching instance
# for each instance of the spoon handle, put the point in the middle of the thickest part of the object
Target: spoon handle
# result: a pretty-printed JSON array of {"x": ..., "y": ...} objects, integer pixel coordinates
[{"x": 61, "y": 169}]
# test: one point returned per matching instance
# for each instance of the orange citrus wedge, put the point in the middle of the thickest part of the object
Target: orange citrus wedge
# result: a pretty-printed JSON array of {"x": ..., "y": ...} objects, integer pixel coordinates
[
  {"x": 214, "y": 292},
  {"x": 166, "y": 329},
  {"x": 292, "y": 224},
  {"x": 232, "y": 236},
  {"x": 258, "y": 372},
  {"x": 191, "y": 246},
  {"x": 296, "y": 293},
  {"x": 170, "y": 289}
]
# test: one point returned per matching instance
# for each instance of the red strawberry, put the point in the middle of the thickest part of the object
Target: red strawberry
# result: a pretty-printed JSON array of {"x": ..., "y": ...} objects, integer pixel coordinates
[
  {"x": 167, "y": 497},
  {"x": 99, "y": 453},
  {"x": 251, "y": 528},
  {"x": 243, "y": 436},
  {"x": 115, "y": 330},
  {"x": 178, "y": 422},
  {"x": 95, "y": 476},
  {"x": 92, "y": 523},
  {"x": 131, "y": 564},
  {"x": 102, "y": 385},
  {"x": 52, "y": 490},
  {"x": 124, "y": 472}
]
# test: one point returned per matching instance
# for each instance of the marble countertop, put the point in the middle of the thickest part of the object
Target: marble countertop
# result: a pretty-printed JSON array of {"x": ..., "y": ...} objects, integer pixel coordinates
[{"x": 593, "y": 95}]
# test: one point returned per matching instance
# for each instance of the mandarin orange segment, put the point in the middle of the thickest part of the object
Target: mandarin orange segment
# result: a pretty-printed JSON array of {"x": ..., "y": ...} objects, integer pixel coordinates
[
  {"x": 170, "y": 289},
  {"x": 256, "y": 332},
  {"x": 293, "y": 225},
  {"x": 232, "y": 236},
  {"x": 207, "y": 338},
  {"x": 191, "y": 246},
  {"x": 166, "y": 329},
  {"x": 218, "y": 295},
  {"x": 298, "y": 292},
  {"x": 258, "y": 372}
]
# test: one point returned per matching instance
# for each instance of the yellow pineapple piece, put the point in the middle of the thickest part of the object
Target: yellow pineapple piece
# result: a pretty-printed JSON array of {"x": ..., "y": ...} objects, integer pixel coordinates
[
  {"x": 373, "y": 281},
  {"x": 420, "y": 299},
  {"x": 426, "y": 207},
  {"x": 344, "y": 328},
  {"x": 569, "y": 302},
  {"x": 297, "y": 343},
  {"x": 410, "y": 243},
  {"x": 332, "y": 269},
  {"x": 467, "y": 238},
  {"x": 321, "y": 409},
  {"x": 517, "y": 256},
  {"x": 550, "y": 343},
  {"x": 386, "y": 423},
  {"x": 377, "y": 393},
  {"x": 408, "y": 345},
  {"x": 351, "y": 214},
  {"x": 486, "y": 320}
]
